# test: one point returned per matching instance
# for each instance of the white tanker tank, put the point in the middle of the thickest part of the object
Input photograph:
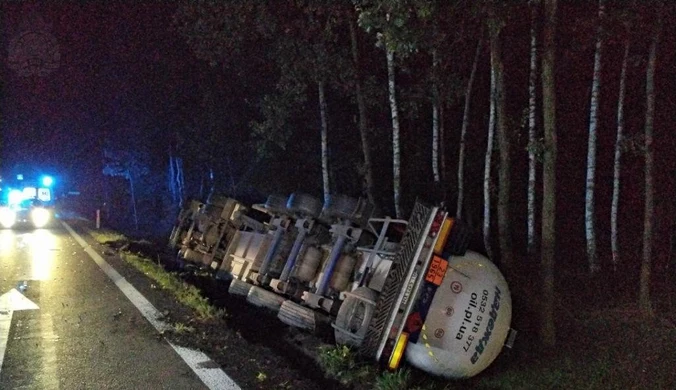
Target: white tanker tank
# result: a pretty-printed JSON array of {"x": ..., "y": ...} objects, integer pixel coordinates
[
  {"x": 467, "y": 322},
  {"x": 445, "y": 309}
]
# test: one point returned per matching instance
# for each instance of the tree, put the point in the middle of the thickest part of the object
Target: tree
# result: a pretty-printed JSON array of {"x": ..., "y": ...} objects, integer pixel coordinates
[
  {"x": 361, "y": 107},
  {"x": 436, "y": 112},
  {"x": 532, "y": 142},
  {"x": 463, "y": 132},
  {"x": 618, "y": 154},
  {"x": 644, "y": 301},
  {"x": 316, "y": 35},
  {"x": 396, "y": 148},
  {"x": 548, "y": 247},
  {"x": 589, "y": 216},
  {"x": 325, "y": 139},
  {"x": 487, "y": 170},
  {"x": 129, "y": 165},
  {"x": 176, "y": 180},
  {"x": 504, "y": 176},
  {"x": 234, "y": 40},
  {"x": 391, "y": 20}
]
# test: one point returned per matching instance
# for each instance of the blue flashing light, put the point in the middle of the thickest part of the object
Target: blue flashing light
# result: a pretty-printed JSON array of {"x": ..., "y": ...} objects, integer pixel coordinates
[
  {"x": 15, "y": 197},
  {"x": 47, "y": 181}
]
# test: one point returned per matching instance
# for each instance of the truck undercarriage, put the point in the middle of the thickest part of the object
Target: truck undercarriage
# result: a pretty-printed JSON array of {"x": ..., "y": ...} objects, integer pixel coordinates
[{"x": 390, "y": 288}]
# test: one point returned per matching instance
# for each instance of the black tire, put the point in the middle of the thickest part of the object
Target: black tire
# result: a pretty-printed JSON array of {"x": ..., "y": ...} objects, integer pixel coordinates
[
  {"x": 304, "y": 204},
  {"x": 239, "y": 288},
  {"x": 276, "y": 204},
  {"x": 297, "y": 316},
  {"x": 341, "y": 206},
  {"x": 263, "y": 298}
]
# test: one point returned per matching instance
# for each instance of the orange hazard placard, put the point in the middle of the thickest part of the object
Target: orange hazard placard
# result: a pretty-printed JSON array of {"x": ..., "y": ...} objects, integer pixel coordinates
[{"x": 437, "y": 270}]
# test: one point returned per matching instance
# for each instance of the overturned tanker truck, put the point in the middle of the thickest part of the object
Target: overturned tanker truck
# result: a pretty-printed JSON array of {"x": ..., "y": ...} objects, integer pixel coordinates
[{"x": 390, "y": 288}]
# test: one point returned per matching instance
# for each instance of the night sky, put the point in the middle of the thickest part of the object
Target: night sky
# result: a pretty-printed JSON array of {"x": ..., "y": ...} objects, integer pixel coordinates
[{"x": 104, "y": 68}]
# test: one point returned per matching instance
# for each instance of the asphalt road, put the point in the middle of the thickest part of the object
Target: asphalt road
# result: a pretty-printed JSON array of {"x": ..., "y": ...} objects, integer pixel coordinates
[{"x": 84, "y": 333}]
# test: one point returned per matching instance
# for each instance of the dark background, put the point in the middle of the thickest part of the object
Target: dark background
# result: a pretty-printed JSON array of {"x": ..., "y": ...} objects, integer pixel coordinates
[{"x": 127, "y": 79}]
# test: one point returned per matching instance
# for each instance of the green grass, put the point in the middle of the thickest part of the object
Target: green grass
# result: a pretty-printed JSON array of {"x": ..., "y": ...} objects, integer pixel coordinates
[
  {"x": 185, "y": 293},
  {"x": 398, "y": 380},
  {"x": 181, "y": 328},
  {"x": 107, "y": 236},
  {"x": 340, "y": 363}
]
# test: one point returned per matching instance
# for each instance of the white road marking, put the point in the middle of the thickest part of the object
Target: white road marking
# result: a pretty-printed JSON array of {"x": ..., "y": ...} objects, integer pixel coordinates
[
  {"x": 5, "y": 324},
  {"x": 49, "y": 378},
  {"x": 213, "y": 378},
  {"x": 10, "y": 302}
]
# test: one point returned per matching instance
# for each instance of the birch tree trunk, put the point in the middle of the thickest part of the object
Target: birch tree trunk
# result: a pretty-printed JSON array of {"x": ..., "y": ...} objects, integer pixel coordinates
[
  {"x": 590, "y": 229},
  {"x": 361, "y": 107},
  {"x": 176, "y": 182},
  {"x": 173, "y": 185},
  {"x": 548, "y": 246},
  {"x": 325, "y": 140},
  {"x": 618, "y": 155},
  {"x": 487, "y": 171},
  {"x": 504, "y": 176},
  {"x": 212, "y": 183},
  {"x": 644, "y": 301},
  {"x": 181, "y": 181},
  {"x": 396, "y": 156},
  {"x": 463, "y": 130},
  {"x": 435, "y": 116},
  {"x": 442, "y": 147},
  {"x": 532, "y": 96},
  {"x": 133, "y": 198}
]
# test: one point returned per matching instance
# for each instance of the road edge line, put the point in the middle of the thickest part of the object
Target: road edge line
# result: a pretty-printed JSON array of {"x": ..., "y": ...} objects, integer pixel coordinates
[
  {"x": 199, "y": 362},
  {"x": 5, "y": 327}
]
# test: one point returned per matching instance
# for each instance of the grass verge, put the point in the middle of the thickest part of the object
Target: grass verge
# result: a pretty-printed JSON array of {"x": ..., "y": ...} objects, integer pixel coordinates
[
  {"x": 180, "y": 328},
  {"x": 106, "y": 237},
  {"x": 340, "y": 363},
  {"x": 185, "y": 293}
]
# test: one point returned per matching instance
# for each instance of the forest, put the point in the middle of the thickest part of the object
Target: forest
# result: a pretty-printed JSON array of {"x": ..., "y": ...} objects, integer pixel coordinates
[{"x": 546, "y": 126}]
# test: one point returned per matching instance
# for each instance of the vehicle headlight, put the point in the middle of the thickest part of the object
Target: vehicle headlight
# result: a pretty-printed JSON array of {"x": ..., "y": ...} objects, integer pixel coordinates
[
  {"x": 40, "y": 217},
  {"x": 7, "y": 217}
]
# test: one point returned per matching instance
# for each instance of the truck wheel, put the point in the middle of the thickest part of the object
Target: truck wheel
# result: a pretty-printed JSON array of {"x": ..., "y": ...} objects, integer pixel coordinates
[
  {"x": 304, "y": 204},
  {"x": 264, "y": 298},
  {"x": 354, "y": 316},
  {"x": 237, "y": 287},
  {"x": 341, "y": 206},
  {"x": 297, "y": 316},
  {"x": 276, "y": 204}
]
